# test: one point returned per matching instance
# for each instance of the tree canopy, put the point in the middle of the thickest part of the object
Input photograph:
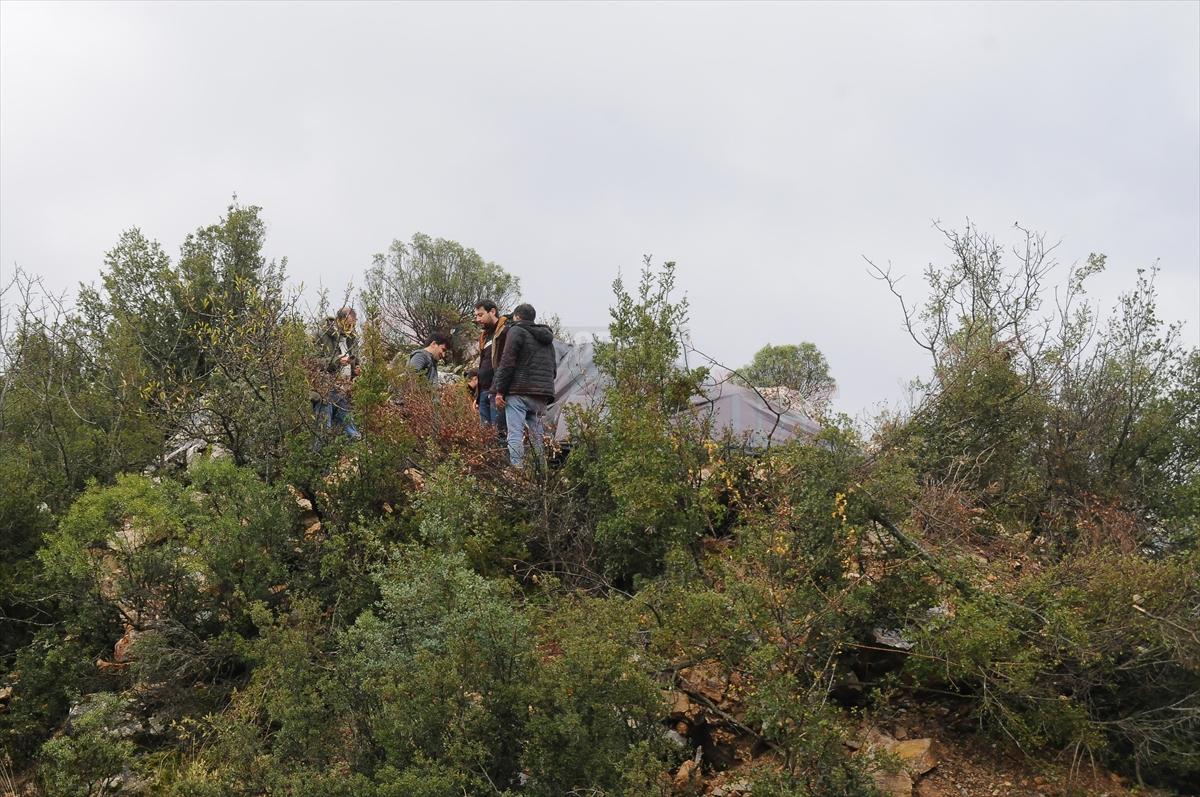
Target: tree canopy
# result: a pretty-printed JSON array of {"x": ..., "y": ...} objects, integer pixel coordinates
[
  {"x": 800, "y": 367},
  {"x": 431, "y": 285}
]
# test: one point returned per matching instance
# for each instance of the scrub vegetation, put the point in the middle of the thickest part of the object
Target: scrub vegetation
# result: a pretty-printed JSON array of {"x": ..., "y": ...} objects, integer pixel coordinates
[{"x": 283, "y": 610}]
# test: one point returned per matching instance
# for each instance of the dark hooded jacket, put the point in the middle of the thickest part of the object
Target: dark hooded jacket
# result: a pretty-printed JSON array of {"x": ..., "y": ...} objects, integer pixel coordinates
[{"x": 528, "y": 365}]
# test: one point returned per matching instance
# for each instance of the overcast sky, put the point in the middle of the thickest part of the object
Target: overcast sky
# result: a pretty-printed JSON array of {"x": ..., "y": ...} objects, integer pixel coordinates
[{"x": 764, "y": 147}]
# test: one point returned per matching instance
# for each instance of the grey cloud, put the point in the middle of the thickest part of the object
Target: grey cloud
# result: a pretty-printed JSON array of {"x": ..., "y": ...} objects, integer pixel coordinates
[{"x": 763, "y": 147}]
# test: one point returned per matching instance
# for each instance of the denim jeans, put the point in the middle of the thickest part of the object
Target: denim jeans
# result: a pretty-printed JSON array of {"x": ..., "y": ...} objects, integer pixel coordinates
[
  {"x": 336, "y": 412},
  {"x": 521, "y": 412},
  {"x": 487, "y": 408}
]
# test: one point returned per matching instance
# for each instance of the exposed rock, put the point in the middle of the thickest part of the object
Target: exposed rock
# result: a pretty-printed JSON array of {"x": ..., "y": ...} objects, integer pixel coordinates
[
  {"x": 122, "y": 648},
  {"x": 917, "y": 755},
  {"x": 159, "y": 724},
  {"x": 849, "y": 689},
  {"x": 131, "y": 536},
  {"x": 676, "y": 738},
  {"x": 126, "y": 783},
  {"x": 721, "y": 748},
  {"x": 301, "y": 500},
  {"x": 891, "y": 638},
  {"x": 704, "y": 679},
  {"x": 916, "y": 758},
  {"x": 687, "y": 780},
  {"x": 123, "y": 725},
  {"x": 893, "y": 784},
  {"x": 682, "y": 708},
  {"x": 310, "y": 523},
  {"x": 106, "y": 666},
  {"x": 738, "y": 788}
]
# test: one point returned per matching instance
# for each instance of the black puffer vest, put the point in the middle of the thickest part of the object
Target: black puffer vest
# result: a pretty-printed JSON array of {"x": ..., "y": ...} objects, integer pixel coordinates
[{"x": 528, "y": 365}]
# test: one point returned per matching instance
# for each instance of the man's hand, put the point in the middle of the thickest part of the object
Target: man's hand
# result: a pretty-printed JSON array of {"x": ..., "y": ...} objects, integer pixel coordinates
[
  {"x": 344, "y": 359},
  {"x": 499, "y": 402}
]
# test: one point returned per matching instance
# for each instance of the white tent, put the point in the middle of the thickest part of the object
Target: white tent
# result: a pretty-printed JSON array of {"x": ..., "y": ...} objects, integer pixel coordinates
[{"x": 729, "y": 404}]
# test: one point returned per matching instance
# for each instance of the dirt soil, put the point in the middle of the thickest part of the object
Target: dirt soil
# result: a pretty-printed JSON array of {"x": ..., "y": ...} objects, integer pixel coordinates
[{"x": 969, "y": 765}]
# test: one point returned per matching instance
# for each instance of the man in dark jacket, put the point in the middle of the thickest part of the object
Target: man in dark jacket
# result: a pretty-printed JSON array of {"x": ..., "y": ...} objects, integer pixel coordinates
[
  {"x": 337, "y": 351},
  {"x": 524, "y": 382},
  {"x": 493, "y": 330}
]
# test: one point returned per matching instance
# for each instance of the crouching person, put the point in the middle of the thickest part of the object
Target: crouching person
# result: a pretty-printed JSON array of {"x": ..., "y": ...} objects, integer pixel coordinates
[
  {"x": 524, "y": 382},
  {"x": 337, "y": 349},
  {"x": 425, "y": 361}
]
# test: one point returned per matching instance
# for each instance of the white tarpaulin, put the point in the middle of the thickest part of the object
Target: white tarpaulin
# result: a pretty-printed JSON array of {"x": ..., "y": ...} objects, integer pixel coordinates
[{"x": 730, "y": 405}]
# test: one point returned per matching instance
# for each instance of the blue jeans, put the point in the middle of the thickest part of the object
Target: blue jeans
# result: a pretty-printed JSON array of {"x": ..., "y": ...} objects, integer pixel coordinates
[
  {"x": 487, "y": 408},
  {"x": 336, "y": 412},
  {"x": 520, "y": 412}
]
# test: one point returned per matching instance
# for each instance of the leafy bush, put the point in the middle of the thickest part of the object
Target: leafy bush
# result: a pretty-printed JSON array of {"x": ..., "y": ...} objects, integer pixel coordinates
[{"x": 80, "y": 763}]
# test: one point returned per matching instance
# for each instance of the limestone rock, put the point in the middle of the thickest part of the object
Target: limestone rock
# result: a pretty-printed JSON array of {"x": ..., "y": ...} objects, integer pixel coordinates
[
  {"x": 310, "y": 524},
  {"x": 675, "y": 738},
  {"x": 687, "y": 779},
  {"x": 917, "y": 755},
  {"x": 121, "y": 650},
  {"x": 894, "y": 784},
  {"x": 704, "y": 679}
]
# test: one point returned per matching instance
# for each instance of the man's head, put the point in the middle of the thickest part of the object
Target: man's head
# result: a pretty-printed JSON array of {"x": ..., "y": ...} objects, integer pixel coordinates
[
  {"x": 437, "y": 345},
  {"x": 525, "y": 312},
  {"x": 472, "y": 376},
  {"x": 486, "y": 314},
  {"x": 346, "y": 319}
]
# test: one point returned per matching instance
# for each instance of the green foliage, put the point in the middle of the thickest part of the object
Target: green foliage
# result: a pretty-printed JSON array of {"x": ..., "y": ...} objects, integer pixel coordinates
[
  {"x": 400, "y": 615},
  {"x": 1036, "y": 410},
  {"x": 77, "y": 765},
  {"x": 455, "y": 645},
  {"x": 67, "y": 409},
  {"x": 800, "y": 367},
  {"x": 642, "y": 462},
  {"x": 181, "y": 565},
  {"x": 51, "y": 672},
  {"x": 454, "y": 513},
  {"x": 25, "y": 519},
  {"x": 594, "y": 719},
  {"x": 430, "y": 285}
]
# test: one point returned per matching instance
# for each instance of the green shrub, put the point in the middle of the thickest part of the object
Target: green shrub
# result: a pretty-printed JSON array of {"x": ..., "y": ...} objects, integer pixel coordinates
[
  {"x": 78, "y": 764},
  {"x": 596, "y": 708}
]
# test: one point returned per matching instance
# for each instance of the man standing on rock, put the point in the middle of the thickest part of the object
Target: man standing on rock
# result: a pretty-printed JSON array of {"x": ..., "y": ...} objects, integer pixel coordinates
[{"x": 524, "y": 382}]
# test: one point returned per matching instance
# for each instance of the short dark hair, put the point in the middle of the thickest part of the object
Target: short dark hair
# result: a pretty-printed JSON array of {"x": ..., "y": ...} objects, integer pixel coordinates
[
  {"x": 438, "y": 337},
  {"x": 487, "y": 304},
  {"x": 525, "y": 312},
  {"x": 470, "y": 372}
]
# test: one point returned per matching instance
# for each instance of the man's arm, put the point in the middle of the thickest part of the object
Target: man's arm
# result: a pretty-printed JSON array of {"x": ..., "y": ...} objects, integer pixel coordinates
[
  {"x": 508, "y": 362},
  {"x": 332, "y": 361}
]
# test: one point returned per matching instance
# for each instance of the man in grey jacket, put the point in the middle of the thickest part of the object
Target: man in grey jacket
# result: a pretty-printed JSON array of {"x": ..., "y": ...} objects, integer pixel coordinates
[
  {"x": 524, "y": 382},
  {"x": 424, "y": 361}
]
